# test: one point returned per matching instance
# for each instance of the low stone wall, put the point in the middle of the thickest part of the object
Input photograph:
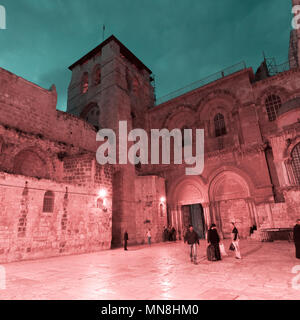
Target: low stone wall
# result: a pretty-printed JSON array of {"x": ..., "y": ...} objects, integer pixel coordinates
[{"x": 70, "y": 221}]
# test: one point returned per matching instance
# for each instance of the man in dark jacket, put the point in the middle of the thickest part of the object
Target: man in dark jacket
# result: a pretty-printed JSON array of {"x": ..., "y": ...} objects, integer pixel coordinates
[
  {"x": 191, "y": 237},
  {"x": 125, "y": 240},
  {"x": 214, "y": 239},
  {"x": 297, "y": 238}
]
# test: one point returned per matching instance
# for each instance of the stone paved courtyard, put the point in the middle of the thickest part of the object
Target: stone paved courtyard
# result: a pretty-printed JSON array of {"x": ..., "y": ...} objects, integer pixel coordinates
[{"x": 162, "y": 271}]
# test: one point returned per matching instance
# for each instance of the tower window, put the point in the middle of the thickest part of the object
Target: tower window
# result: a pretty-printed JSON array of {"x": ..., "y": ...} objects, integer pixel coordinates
[
  {"x": 97, "y": 75},
  {"x": 273, "y": 103},
  {"x": 48, "y": 205},
  {"x": 296, "y": 163},
  {"x": 85, "y": 83},
  {"x": 220, "y": 127}
]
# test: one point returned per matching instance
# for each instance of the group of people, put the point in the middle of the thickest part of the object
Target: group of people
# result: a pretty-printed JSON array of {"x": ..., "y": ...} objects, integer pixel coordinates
[
  {"x": 126, "y": 238},
  {"x": 213, "y": 239},
  {"x": 169, "y": 234}
]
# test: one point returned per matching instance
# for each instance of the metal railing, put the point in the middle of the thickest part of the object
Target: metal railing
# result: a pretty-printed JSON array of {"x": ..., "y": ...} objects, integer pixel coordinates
[{"x": 200, "y": 83}]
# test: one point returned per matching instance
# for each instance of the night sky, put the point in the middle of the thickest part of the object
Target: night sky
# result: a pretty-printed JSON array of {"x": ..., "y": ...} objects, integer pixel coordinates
[{"x": 181, "y": 41}]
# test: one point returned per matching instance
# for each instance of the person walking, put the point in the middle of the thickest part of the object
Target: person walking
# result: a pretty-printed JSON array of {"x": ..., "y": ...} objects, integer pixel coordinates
[
  {"x": 296, "y": 237},
  {"x": 125, "y": 240},
  {"x": 149, "y": 236},
  {"x": 191, "y": 237},
  {"x": 235, "y": 241},
  {"x": 214, "y": 240}
]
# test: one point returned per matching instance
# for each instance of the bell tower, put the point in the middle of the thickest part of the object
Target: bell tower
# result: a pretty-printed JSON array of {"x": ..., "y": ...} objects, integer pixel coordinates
[{"x": 108, "y": 85}]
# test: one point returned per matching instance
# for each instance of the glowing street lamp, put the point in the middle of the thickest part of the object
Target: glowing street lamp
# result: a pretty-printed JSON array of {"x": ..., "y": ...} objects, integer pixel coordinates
[
  {"x": 162, "y": 200},
  {"x": 102, "y": 193}
]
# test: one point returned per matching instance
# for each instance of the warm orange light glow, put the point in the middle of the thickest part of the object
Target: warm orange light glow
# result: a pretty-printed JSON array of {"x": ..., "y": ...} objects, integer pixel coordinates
[
  {"x": 162, "y": 199},
  {"x": 102, "y": 193}
]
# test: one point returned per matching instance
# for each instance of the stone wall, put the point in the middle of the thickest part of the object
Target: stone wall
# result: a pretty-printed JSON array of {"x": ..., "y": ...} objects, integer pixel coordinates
[
  {"x": 77, "y": 223},
  {"x": 32, "y": 109},
  {"x": 151, "y": 210}
]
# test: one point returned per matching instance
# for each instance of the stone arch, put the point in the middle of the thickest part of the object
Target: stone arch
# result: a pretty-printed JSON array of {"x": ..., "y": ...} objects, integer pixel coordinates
[
  {"x": 32, "y": 162},
  {"x": 282, "y": 92},
  {"x": 217, "y": 101},
  {"x": 187, "y": 190},
  {"x": 290, "y": 145},
  {"x": 177, "y": 113},
  {"x": 228, "y": 185},
  {"x": 216, "y": 97},
  {"x": 229, "y": 192},
  {"x": 187, "y": 203}
]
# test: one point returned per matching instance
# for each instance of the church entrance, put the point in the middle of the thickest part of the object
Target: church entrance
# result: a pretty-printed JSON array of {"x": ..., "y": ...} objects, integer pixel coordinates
[{"x": 193, "y": 214}]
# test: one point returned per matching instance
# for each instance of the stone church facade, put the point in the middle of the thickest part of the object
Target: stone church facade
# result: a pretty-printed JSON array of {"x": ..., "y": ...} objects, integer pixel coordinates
[{"x": 55, "y": 199}]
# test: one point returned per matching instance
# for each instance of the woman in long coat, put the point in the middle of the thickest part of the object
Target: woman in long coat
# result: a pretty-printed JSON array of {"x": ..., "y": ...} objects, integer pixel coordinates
[{"x": 214, "y": 239}]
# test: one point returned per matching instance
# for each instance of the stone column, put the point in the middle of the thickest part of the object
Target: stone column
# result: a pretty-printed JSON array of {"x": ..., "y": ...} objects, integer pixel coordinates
[
  {"x": 206, "y": 214},
  {"x": 250, "y": 211},
  {"x": 270, "y": 216},
  {"x": 180, "y": 227},
  {"x": 255, "y": 213},
  {"x": 219, "y": 220},
  {"x": 213, "y": 212}
]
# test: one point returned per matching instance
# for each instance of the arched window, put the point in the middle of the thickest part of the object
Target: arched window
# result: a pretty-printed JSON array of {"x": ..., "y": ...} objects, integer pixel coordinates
[
  {"x": 220, "y": 127},
  {"x": 97, "y": 75},
  {"x": 296, "y": 163},
  {"x": 273, "y": 103},
  {"x": 85, "y": 83},
  {"x": 48, "y": 205}
]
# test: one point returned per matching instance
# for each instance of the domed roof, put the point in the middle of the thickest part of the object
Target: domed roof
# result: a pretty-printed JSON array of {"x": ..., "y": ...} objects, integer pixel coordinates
[{"x": 289, "y": 105}]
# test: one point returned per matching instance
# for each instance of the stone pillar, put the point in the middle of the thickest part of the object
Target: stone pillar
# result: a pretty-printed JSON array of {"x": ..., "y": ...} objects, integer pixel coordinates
[
  {"x": 206, "y": 214},
  {"x": 250, "y": 211},
  {"x": 176, "y": 218},
  {"x": 270, "y": 216},
  {"x": 216, "y": 217},
  {"x": 180, "y": 221},
  {"x": 255, "y": 213},
  {"x": 219, "y": 219},
  {"x": 213, "y": 212}
]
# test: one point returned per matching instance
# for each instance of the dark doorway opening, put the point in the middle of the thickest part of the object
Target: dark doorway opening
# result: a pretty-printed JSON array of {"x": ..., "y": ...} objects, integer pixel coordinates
[{"x": 194, "y": 215}]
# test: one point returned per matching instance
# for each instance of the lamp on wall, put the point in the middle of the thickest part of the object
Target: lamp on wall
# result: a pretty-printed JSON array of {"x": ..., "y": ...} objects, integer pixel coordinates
[
  {"x": 101, "y": 201},
  {"x": 162, "y": 200}
]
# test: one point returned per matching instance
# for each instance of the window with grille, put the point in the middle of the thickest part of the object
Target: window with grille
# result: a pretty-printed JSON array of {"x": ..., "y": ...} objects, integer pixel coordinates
[
  {"x": 273, "y": 103},
  {"x": 85, "y": 83},
  {"x": 48, "y": 205},
  {"x": 220, "y": 127},
  {"x": 296, "y": 163}
]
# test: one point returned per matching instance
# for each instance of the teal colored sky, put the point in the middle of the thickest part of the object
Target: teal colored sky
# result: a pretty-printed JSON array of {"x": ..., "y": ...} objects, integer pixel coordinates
[{"x": 181, "y": 41}]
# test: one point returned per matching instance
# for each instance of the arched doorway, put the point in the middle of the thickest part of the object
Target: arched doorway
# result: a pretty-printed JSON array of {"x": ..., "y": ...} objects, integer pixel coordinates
[
  {"x": 186, "y": 199},
  {"x": 193, "y": 214},
  {"x": 229, "y": 193}
]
